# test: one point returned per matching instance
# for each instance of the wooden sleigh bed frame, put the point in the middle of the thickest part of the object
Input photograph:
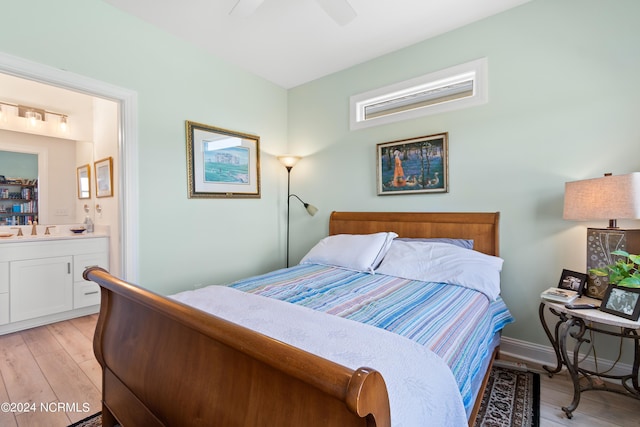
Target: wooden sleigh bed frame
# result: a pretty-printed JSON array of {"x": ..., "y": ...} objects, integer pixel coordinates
[{"x": 167, "y": 364}]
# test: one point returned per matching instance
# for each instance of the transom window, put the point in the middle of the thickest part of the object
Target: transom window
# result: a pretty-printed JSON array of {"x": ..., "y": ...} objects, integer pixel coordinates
[{"x": 454, "y": 88}]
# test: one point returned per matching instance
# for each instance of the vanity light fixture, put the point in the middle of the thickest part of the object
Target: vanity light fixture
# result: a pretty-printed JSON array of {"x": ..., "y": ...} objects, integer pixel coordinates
[
  {"x": 289, "y": 162},
  {"x": 34, "y": 116}
]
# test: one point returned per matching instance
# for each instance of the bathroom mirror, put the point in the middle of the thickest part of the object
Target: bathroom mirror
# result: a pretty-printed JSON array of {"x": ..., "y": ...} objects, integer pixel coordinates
[
  {"x": 84, "y": 182},
  {"x": 56, "y": 172}
]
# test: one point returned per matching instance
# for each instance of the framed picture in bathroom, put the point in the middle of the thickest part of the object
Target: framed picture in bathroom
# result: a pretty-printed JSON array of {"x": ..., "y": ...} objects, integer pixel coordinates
[
  {"x": 222, "y": 163},
  {"x": 83, "y": 175},
  {"x": 104, "y": 177}
]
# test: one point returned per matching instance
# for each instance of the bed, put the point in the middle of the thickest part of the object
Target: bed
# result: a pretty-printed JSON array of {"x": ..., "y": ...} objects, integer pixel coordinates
[{"x": 166, "y": 362}]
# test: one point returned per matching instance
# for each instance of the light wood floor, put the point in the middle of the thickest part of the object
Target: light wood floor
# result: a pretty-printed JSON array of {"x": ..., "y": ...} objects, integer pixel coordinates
[
  {"x": 52, "y": 371},
  {"x": 55, "y": 363},
  {"x": 596, "y": 408}
]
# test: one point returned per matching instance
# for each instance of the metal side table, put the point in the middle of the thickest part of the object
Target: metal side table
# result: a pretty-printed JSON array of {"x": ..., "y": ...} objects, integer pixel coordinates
[{"x": 574, "y": 324}]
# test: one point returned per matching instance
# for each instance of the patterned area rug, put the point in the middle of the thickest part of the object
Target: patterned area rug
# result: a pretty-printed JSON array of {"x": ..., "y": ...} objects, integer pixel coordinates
[
  {"x": 94, "y": 420},
  {"x": 512, "y": 399}
]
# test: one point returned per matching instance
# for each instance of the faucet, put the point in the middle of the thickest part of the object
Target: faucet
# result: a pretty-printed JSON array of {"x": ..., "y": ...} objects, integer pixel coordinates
[
  {"x": 34, "y": 229},
  {"x": 19, "y": 231}
]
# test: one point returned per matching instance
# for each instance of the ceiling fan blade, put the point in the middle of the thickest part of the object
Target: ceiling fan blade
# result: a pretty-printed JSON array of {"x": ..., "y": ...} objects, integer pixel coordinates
[
  {"x": 244, "y": 8},
  {"x": 339, "y": 10}
]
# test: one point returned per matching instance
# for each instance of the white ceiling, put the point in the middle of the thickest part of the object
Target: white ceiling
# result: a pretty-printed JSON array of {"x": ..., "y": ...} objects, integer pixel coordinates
[{"x": 291, "y": 42}]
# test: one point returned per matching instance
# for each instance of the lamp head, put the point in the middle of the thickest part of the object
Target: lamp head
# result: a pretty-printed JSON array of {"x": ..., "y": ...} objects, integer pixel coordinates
[
  {"x": 609, "y": 197},
  {"x": 312, "y": 210},
  {"x": 289, "y": 161}
]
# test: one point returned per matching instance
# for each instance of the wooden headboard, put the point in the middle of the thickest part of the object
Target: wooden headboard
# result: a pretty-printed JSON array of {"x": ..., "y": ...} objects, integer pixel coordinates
[{"x": 481, "y": 227}]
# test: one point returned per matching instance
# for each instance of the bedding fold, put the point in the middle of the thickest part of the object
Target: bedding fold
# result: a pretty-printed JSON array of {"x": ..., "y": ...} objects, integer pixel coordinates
[{"x": 420, "y": 384}]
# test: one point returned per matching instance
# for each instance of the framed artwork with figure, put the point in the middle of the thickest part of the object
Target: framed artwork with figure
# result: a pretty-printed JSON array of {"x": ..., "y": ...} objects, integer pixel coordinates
[{"x": 411, "y": 166}]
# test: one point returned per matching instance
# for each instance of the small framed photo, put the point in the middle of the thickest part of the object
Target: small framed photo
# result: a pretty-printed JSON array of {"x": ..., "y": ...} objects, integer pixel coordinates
[
  {"x": 621, "y": 301},
  {"x": 104, "y": 177},
  {"x": 573, "y": 281},
  {"x": 411, "y": 166},
  {"x": 84, "y": 182}
]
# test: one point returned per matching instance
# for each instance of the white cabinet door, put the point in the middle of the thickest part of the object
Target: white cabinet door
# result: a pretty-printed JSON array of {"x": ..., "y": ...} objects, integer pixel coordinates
[
  {"x": 87, "y": 293},
  {"x": 39, "y": 287},
  {"x": 84, "y": 261},
  {"x": 4, "y": 309},
  {"x": 4, "y": 293}
]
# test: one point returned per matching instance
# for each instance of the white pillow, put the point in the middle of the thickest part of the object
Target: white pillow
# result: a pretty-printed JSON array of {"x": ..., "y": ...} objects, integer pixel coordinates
[
  {"x": 359, "y": 252},
  {"x": 443, "y": 263}
]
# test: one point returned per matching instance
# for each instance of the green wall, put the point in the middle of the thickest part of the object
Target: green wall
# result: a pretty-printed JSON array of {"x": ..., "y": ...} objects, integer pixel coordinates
[
  {"x": 563, "y": 105},
  {"x": 182, "y": 242},
  {"x": 18, "y": 165}
]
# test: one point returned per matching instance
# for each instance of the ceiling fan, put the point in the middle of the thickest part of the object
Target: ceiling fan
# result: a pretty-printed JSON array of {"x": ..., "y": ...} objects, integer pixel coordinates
[{"x": 339, "y": 10}]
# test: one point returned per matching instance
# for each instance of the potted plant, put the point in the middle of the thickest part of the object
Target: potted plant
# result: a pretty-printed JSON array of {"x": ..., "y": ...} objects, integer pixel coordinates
[{"x": 624, "y": 272}]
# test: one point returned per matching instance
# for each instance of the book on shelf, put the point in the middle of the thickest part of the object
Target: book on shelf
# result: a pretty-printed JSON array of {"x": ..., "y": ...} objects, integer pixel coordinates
[{"x": 559, "y": 295}]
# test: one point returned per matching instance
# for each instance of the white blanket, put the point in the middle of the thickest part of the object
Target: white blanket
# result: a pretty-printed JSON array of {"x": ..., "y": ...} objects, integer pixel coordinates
[{"x": 422, "y": 390}]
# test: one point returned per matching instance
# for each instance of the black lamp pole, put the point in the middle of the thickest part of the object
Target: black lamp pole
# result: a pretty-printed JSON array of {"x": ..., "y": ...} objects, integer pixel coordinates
[{"x": 288, "y": 200}]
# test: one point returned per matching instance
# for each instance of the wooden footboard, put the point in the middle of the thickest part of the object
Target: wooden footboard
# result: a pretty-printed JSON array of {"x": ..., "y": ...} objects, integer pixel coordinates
[{"x": 168, "y": 364}]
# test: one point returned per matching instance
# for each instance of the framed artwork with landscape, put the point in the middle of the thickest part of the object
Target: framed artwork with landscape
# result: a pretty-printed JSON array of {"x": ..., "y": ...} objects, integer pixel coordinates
[
  {"x": 416, "y": 165},
  {"x": 222, "y": 163},
  {"x": 104, "y": 177}
]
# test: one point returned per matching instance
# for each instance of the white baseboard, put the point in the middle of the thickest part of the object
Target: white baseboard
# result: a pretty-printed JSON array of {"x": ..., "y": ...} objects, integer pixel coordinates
[
  {"x": 544, "y": 355},
  {"x": 45, "y": 320}
]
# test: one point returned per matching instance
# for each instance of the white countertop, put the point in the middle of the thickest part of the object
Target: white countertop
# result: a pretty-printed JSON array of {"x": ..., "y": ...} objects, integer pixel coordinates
[
  {"x": 8, "y": 234},
  {"x": 49, "y": 237}
]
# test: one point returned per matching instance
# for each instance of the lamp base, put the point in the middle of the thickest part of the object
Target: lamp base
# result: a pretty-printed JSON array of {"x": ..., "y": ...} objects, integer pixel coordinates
[{"x": 600, "y": 243}]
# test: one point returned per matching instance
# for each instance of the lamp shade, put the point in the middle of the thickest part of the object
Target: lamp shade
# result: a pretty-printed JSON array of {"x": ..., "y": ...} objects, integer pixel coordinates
[
  {"x": 288, "y": 161},
  {"x": 312, "y": 210},
  {"x": 608, "y": 197}
]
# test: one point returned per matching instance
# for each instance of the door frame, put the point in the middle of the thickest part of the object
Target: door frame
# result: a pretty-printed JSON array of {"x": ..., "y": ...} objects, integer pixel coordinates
[{"x": 127, "y": 101}]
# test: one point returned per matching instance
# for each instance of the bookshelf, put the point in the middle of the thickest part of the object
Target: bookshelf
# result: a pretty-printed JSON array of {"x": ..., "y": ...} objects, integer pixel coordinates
[{"x": 18, "y": 201}]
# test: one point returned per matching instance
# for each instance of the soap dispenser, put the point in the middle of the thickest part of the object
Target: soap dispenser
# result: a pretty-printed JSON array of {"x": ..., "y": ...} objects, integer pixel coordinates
[{"x": 88, "y": 224}]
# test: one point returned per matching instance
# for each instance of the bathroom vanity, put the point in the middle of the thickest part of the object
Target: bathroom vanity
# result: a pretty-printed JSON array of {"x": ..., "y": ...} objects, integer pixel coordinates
[{"x": 41, "y": 279}]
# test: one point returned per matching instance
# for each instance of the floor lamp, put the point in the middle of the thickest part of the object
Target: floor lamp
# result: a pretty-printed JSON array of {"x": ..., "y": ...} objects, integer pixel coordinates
[
  {"x": 605, "y": 198},
  {"x": 289, "y": 162}
]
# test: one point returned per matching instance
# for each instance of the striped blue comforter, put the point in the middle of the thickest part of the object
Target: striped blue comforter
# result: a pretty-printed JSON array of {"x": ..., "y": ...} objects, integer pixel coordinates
[{"x": 456, "y": 323}]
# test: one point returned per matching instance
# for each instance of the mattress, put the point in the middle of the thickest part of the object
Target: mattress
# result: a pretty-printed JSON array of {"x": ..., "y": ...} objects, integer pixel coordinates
[{"x": 459, "y": 324}]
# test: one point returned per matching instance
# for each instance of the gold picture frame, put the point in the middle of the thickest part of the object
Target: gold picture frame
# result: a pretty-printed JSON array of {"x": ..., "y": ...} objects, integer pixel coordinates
[
  {"x": 83, "y": 176},
  {"x": 222, "y": 163},
  {"x": 104, "y": 177}
]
